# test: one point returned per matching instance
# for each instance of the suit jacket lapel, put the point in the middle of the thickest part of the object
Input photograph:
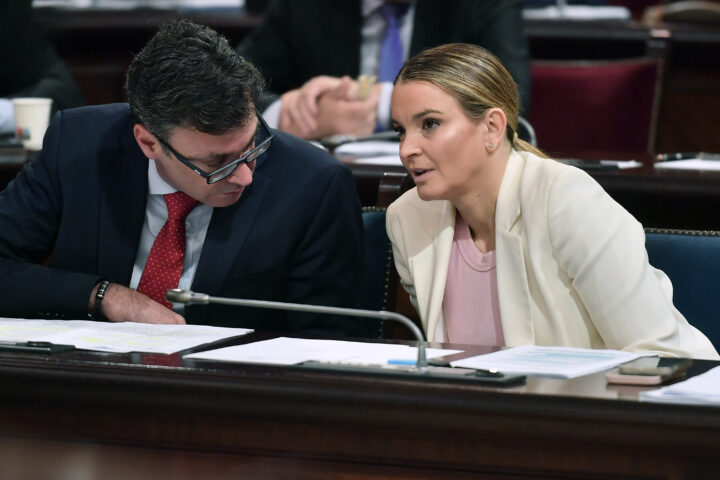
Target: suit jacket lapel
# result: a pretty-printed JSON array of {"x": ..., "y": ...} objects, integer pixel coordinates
[
  {"x": 122, "y": 209},
  {"x": 226, "y": 235},
  {"x": 513, "y": 289}
]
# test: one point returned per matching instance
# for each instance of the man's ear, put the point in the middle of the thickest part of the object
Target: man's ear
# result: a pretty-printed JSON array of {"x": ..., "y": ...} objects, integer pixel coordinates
[
  {"x": 148, "y": 142},
  {"x": 495, "y": 123}
]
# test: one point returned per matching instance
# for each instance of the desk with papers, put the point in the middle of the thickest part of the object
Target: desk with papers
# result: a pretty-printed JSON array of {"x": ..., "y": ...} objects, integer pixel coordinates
[{"x": 138, "y": 415}]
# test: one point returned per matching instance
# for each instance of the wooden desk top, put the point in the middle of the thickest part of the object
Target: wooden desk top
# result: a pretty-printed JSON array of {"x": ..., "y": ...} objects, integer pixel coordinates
[{"x": 297, "y": 424}]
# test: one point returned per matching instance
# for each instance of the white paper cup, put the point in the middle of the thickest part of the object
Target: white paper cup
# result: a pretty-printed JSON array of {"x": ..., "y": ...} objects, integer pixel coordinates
[{"x": 32, "y": 116}]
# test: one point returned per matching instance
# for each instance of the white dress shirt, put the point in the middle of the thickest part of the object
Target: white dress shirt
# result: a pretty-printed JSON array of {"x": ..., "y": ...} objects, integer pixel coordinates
[{"x": 7, "y": 116}]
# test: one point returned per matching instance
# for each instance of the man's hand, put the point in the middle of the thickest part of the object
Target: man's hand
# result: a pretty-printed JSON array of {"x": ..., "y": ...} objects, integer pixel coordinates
[
  {"x": 122, "y": 304},
  {"x": 340, "y": 112},
  {"x": 299, "y": 106}
]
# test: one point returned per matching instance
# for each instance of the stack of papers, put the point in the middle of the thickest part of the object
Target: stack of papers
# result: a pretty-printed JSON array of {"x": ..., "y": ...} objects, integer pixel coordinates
[
  {"x": 559, "y": 362},
  {"x": 291, "y": 351},
  {"x": 577, "y": 12},
  {"x": 699, "y": 390},
  {"x": 371, "y": 152},
  {"x": 114, "y": 337},
  {"x": 690, "y": 164},
  {"x": 622, "y": 164},
  {"x": 131, "y": 4}
]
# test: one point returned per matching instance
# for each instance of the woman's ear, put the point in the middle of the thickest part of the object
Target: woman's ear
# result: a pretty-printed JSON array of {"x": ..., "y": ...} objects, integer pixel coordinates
[
  {"x": 147, "y": 141},
  {"x": 495, "y": 123}
]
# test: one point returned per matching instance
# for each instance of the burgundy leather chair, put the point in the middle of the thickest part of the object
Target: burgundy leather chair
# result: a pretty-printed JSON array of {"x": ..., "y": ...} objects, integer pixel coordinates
[{"x": 596, "y": 106}]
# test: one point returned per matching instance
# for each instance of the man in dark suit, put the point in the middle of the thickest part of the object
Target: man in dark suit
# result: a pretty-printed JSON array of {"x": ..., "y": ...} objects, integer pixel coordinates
[
  {"x": 29, "y": 66},
  {"x": 90, "y": 226},
  {"x": 304, "y": 48}
]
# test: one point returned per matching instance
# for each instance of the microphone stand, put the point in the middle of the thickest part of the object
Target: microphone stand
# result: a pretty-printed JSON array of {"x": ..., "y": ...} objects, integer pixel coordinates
[{"x": 188, "y": 297}]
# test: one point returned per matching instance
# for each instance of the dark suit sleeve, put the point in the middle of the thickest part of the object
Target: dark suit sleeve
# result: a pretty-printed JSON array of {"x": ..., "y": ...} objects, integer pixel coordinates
[
  {"x": 49, "y": 77},
  {"x": 327, "y": 267},
  {"x": 297, "y": 41},
  {"x": 30, "y": 214},
  {"x": 497, "y": 25},
  {"x": 31, "y": 68},
  {"x": 268, "y": 47}
]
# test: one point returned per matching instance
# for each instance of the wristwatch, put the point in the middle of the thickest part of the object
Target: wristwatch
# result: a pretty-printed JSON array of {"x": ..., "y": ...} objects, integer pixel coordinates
[{"x": 99, "y": 295}]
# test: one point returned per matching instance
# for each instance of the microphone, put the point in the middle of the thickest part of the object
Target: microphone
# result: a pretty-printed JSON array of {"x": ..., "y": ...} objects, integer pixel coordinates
[{"x": 189, "y": 297}]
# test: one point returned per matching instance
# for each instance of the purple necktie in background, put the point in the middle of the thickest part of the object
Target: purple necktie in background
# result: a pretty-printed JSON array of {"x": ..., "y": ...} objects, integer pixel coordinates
[{"x": 391, "y": 51}]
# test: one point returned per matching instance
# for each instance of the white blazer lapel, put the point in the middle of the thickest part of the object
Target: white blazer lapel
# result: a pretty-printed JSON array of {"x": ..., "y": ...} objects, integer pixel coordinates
[
  {"x": 513, "y": 289},
  {"x": 433, "y": 264}
]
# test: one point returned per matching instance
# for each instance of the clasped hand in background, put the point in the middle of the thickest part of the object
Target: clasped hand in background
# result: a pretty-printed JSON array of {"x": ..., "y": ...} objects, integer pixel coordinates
[{"x": 329, "y": 105}]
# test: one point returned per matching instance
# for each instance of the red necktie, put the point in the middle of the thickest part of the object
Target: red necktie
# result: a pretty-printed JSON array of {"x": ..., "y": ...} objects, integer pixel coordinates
[{"x": 165, "y": 262}]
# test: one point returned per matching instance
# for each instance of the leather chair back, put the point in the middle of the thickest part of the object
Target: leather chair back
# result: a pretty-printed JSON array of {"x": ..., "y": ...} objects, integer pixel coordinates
[
  {"x": 580, "y": 107},
  {"x": 692, "y": 261},
  {"x": 380, "y": 278}
]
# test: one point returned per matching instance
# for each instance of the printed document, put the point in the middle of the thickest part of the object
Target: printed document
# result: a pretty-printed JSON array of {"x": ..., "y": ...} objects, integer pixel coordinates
[
  {"x": 560, "y": 362},
  {"x": 114, "y": 337},
  {"x": 701, "y": 389},
  {"x": 290, "y": 351}
]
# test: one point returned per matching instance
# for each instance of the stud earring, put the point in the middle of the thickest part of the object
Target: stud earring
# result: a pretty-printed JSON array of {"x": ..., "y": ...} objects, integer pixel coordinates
[{"x": 490, "y": 145}]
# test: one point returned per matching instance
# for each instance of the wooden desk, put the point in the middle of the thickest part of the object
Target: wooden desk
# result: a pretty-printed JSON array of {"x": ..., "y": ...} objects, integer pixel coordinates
[
  {"x": 111, "y": 416},
  {"x": 681, "y": 199}
]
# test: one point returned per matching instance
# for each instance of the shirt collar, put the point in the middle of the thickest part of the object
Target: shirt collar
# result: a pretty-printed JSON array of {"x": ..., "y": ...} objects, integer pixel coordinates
[
  {"x": 156, "y": 184},
  {"x": 370, "y": 6}
]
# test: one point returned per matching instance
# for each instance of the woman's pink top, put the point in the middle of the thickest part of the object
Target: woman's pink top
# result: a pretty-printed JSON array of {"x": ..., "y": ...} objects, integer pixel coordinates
[{"x": 470, "y": 303}]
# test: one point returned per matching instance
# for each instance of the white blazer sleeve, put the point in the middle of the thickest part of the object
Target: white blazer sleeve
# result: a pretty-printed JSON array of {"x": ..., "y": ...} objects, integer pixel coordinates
[{"x": 602, "y": 249}]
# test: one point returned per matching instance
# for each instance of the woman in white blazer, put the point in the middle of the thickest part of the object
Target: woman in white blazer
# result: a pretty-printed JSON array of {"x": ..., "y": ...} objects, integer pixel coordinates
[{"x": 552, "y": 259}]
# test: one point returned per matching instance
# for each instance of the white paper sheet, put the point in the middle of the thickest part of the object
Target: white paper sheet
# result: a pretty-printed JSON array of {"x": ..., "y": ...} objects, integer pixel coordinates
[
  {"x": 577, "y": 12},
  {"x": 114, "y": 337},
  {"x": 622, "y": 164},
  {"x": 560, "y": 362},
  {"x": 690, "y": 164},
  {"x": 386, "y": 160},
  {"x": 370, "y": 148},
  {"x": 289, "y": 351},
  {"x": 702, "y": 389},
  {"x": 132, "y": 4}
]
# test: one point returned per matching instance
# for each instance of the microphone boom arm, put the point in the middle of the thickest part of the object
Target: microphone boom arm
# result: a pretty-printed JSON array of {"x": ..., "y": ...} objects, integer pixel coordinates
[{"x": 189, "y": 298}]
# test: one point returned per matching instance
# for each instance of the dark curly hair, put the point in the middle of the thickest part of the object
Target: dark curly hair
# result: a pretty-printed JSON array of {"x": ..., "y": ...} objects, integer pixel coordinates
[{"x": 189, "y": 76}]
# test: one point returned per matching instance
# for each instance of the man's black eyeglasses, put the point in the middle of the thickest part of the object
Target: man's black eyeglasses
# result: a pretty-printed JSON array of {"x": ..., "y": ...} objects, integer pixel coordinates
[{"x": 224, "y": 171}]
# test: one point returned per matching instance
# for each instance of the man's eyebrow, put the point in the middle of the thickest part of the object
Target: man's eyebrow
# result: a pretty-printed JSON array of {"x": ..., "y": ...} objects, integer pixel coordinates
[{"x": 244, "y": 149}]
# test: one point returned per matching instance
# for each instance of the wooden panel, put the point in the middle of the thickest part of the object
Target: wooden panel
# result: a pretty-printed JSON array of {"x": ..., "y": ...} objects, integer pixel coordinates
[{"x": 312, "y": 425}]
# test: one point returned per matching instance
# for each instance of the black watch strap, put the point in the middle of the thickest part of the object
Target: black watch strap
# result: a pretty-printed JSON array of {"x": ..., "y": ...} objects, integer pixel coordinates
[{"x": 99, "y": 295}]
